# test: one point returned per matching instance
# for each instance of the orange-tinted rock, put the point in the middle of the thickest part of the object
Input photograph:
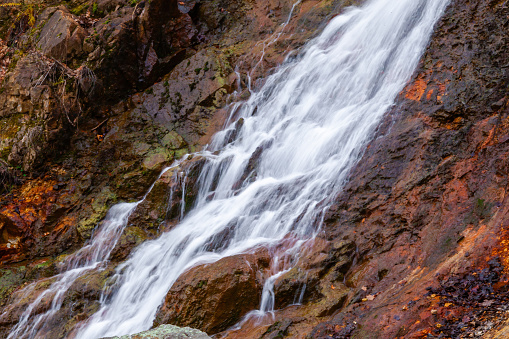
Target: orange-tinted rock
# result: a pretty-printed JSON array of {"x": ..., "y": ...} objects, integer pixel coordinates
[
  {"x": 26, "y": 223},
  {"x": 214, "y": 297}
]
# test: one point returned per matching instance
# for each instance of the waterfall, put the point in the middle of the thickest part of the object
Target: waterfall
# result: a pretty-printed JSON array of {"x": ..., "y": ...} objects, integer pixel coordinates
[{"x": 300, "y": 135}]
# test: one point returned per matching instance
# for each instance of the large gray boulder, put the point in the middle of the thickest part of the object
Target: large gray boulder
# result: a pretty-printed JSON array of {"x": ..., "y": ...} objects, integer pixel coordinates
[{"x": 167, "y": 332}]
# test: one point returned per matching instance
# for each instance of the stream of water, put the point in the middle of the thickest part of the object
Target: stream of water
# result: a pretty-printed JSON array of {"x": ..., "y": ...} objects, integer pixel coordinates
[{"x": 300, "y": 135}]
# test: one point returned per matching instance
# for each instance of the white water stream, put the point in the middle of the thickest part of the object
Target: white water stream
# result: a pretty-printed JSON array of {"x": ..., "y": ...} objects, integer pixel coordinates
[
  {"x": 303, "y": 131},
  {"x": 308, "y": 125}
]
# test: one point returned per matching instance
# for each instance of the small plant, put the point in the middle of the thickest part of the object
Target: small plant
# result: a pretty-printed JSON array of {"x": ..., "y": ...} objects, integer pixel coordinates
[
  {"x": 7, "y": 177},
  {"x": 25, "y": 11},
  {"x": 80, "y": 9},
  {"x": 24, "y": 19}
]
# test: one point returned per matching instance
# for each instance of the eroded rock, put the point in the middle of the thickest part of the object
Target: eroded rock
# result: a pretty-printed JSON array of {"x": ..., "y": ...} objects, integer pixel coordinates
[
  {"x": 215, "y": 296},
  {"x": 62, "y": 37}
]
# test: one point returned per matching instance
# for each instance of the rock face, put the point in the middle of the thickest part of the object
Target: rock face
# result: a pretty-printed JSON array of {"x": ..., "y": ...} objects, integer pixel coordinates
[
  {"x": 428, "y": 198},
  {"x": 425, "y": 206},
  {"x": 62, "y": 37},
  {"x": 97, "y": 97}
]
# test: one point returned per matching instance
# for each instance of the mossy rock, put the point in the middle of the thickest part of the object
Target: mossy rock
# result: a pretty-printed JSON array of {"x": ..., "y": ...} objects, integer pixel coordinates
[
  {"x": 10, "y": 279},
  {"x": 173, "y": 141},
  {"x": 165, "y": 332},
  {"x": 156, "y": 159},
  {"x": 100, "y": 205}
]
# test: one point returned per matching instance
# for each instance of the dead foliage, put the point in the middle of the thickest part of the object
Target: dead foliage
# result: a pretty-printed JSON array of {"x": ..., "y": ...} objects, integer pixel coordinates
[{"x": 7, "y": 177}]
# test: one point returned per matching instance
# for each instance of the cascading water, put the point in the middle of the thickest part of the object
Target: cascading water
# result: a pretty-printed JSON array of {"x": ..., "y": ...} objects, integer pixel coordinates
[
  {"x": 90, "y": 257},
  {"x": 301, "y": 134}
]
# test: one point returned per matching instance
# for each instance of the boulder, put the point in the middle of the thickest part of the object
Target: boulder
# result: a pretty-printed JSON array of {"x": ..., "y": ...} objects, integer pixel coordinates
[
  {"x": 166, "y": 332},
  {"x": 215, "y": 296},
  {"x": 62, "y": 37}
]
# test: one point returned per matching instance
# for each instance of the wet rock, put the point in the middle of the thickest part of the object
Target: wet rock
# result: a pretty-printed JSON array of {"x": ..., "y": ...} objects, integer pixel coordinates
[
  {"x": 318, "y": 278},
  {"x": 429, "y": 177},
  {"x": 21, "y": 299},
  {"x": 162, "y": 208},
  {"x": 79, "y": 302},
  {"x": 215, "y": 296},
  {"x": 99, "y": 207},
  {"x": 166, "y": 332}
]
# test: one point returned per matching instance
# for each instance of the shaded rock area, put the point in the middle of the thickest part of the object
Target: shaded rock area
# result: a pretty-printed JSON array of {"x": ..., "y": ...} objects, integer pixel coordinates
[
  {"x": 167, "y": 332},
  {"x": 169, "y": 200}
]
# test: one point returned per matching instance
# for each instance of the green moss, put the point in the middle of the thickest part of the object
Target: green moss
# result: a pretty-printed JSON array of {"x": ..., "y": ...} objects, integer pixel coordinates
[
  {"x": 86, "y": 226},
  {"x": 156, "y": 158},
  {"x": 10, "y": 279},
  {"x": 79, "y": 10},
  {"x": 100, "y": 206},
  {"x": 181, "y": 152},
  {"x": 13, "y": 63},
  {"x": 173, "y": 141}
]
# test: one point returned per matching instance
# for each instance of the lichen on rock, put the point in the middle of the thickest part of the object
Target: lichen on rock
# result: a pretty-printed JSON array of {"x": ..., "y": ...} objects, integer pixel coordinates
[{"x": 166, "y": 332}]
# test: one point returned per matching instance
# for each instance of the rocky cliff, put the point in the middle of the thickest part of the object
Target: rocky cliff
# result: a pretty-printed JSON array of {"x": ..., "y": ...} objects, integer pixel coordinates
[{"x": 96, "y": 97}]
